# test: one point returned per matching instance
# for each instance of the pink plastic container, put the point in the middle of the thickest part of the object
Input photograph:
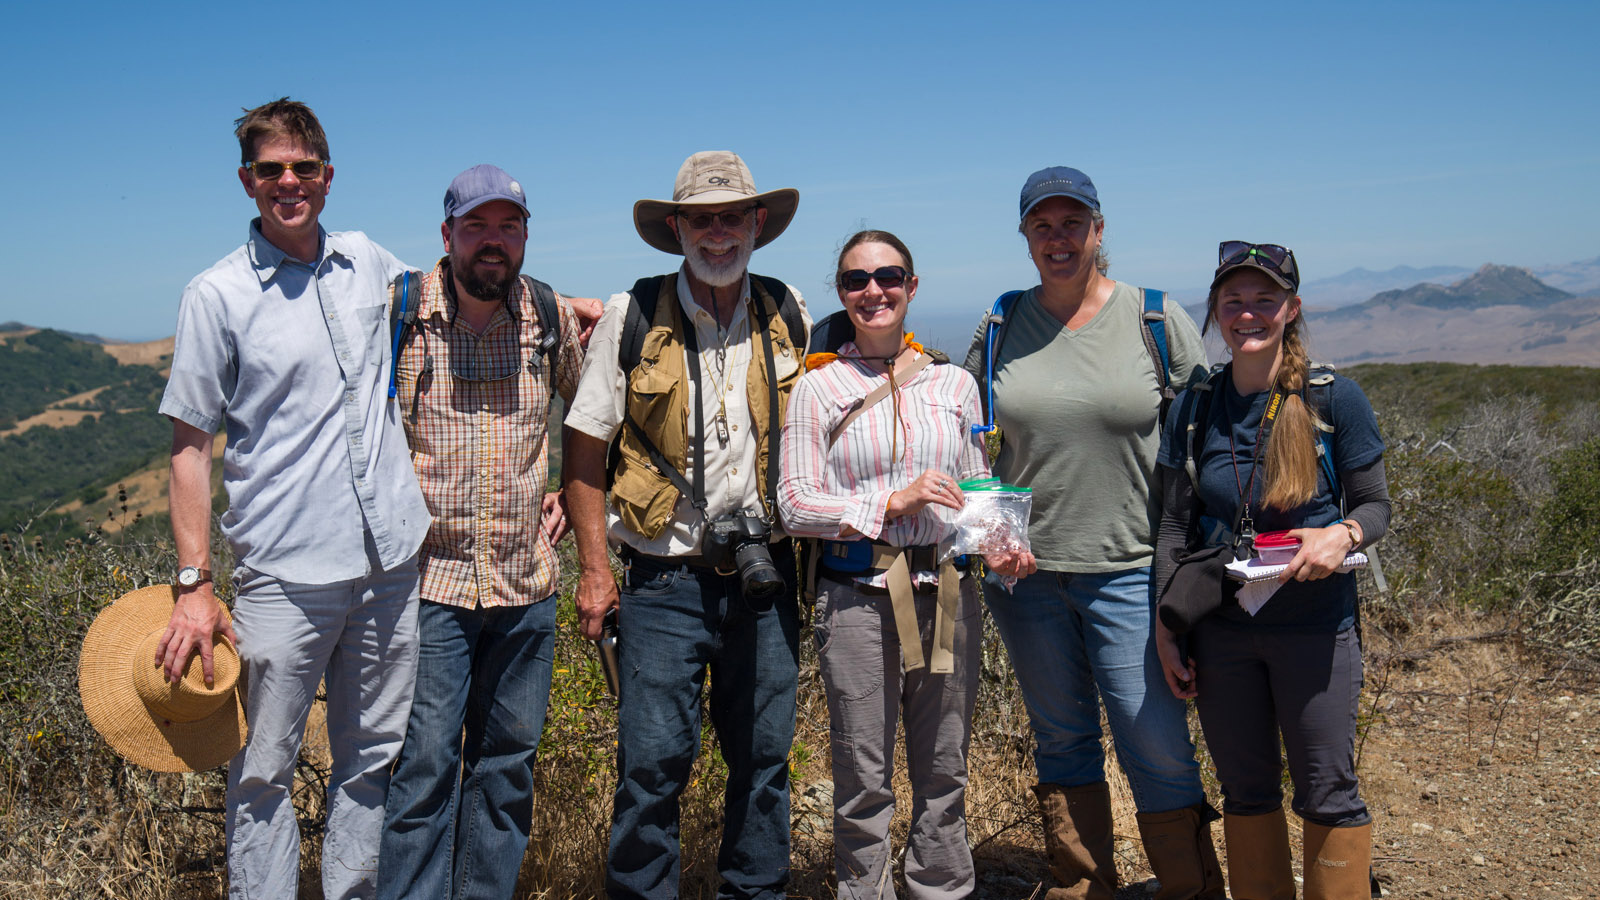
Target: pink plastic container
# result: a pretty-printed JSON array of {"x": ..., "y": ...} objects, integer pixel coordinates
[{"x": 1276, "y": 548}]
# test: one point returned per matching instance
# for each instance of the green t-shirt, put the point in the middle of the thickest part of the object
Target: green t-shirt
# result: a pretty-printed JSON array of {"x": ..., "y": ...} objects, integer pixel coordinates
[{"x": 1078, "y": 410}]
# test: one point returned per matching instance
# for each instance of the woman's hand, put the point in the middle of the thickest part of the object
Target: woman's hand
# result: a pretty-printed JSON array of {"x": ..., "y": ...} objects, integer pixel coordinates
[
  {"x": 931, "y": 486},
  {"x": 1322, "y": 550},
  {"x": 1011, "y": 563},
  {"x": 1178, "y": 671}
]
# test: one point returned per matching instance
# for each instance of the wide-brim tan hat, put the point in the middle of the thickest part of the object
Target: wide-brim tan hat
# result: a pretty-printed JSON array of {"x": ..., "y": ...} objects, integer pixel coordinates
[
  {"x": 708, "y": 178},
  {"x": 186, "y": 727}
]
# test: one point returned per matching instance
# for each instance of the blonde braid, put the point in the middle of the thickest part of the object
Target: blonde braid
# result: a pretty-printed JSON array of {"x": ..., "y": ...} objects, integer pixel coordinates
[{"x": 1291, "y": 452}]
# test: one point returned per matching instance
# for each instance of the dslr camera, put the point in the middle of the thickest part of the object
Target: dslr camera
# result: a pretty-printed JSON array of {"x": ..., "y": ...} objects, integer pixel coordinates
[{"x": 738, "y": 543}]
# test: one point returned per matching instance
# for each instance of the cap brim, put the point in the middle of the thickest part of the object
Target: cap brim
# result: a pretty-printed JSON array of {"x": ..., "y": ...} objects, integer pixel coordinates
[
  {"x": 650, "y": 216},
  {"x": 115, "y": 709},
  {"x": 1070, "y": 195},
  {"x": 490, "y": 198},
  {"x": 1250, "y": 262}
]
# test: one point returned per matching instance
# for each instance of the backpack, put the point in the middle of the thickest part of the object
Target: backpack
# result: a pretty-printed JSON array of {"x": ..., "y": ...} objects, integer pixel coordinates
[
  {"x": 642, "y": 313},
  {"x": 1153, "y": 328},
  {"x": 1319, "y": 394},
  {"x": 636, "y": 323},
  {"x": 403, "y": 320}
]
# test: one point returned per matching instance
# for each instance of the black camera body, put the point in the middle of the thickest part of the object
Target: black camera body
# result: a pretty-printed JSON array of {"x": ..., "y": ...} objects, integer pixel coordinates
[{"x": 738, "y": 543}]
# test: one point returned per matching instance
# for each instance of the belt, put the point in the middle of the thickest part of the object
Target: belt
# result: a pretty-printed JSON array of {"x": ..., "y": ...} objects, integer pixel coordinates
[{"x": 897, "y": 563}]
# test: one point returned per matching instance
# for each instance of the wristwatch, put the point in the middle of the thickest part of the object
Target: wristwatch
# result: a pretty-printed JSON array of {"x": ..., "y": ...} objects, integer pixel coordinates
[
  {"x": 1355, "y": 539},
  {"x": 189, "y": 576}
]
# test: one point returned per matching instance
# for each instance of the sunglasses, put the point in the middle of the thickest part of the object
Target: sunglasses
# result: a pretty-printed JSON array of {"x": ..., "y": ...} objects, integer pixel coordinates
[
  {"x": 272, "y": 170},
  {"x": 730, "y": 220},
  {"x": 886, "y": 277},
  {"x": 1269, "y": 256}
]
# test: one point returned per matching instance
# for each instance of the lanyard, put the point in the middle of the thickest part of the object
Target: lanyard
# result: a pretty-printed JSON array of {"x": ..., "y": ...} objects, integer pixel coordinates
[{"x": 1247, "y": 529}]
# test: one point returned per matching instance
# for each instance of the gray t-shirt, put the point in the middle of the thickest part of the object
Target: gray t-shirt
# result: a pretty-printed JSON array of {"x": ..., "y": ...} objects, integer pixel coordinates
[{"x": 1078, "y": 410}]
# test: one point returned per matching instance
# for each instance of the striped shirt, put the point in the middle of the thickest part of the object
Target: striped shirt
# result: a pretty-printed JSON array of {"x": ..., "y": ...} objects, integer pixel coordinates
[
  {"x": 477, "y": 422},
  {"x": 823, "y": 490}
]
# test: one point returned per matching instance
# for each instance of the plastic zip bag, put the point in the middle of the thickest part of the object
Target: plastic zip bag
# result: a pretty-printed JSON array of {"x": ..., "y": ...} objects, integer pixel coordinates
[{"x": 994, "y": 520}]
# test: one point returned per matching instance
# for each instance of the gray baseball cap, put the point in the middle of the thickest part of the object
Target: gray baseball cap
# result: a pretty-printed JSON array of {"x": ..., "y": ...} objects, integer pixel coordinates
[{"x": 479, "y": 185}]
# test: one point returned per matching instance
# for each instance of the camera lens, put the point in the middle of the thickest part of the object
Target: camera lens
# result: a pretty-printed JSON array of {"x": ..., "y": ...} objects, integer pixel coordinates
[{"x": 757, "y": 574}]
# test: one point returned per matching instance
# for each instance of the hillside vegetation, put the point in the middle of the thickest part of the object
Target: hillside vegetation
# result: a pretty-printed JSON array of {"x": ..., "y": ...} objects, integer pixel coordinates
[
  {"x": 1495, "y": 473},
  {"x": 43, "y": 468}
]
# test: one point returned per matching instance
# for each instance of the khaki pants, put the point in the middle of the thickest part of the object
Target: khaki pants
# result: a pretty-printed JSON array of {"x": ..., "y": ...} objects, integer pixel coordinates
[{"x": 868, "y": 693}]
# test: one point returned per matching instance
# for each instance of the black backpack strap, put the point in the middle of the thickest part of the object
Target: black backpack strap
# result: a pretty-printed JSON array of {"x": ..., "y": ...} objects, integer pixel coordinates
[
  {"x": 1194, "y": 409},
  {"x": 548, "y": 309},
  {"x": 788, "y": 308},
  {"x": 636, "y": 323}
]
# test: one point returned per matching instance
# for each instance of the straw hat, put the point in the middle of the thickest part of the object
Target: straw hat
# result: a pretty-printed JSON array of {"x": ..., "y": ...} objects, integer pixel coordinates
[
  {"x": 187, "y": 727},
  {"x": 708, "y": 178}
]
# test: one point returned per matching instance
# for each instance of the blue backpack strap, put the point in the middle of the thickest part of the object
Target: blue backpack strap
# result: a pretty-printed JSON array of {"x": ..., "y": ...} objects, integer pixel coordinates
[
  {"x": 1154, "y": 321},
  {"x": 1319, "y": 392},
  {"x": 402, "y": 318},
  {"x": 994, "y": 321}
]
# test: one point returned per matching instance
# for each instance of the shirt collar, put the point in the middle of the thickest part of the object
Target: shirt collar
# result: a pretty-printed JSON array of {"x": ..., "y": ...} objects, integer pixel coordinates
[
  {"x": 691, "y": 308},
  {"x": 265, "y": 257},
  {"x": 443, "y": 303}
]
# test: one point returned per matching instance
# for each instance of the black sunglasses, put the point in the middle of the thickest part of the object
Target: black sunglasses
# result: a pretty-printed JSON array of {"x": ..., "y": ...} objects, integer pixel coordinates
[
  {"x": 730, "y": 220},
  {"x": 886, "y": 277},
  {"x": 1278, "y": 258},
  {"x": 272, "y": 170}
]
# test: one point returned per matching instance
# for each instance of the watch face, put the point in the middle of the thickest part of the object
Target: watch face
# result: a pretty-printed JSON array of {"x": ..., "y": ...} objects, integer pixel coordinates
[{"x": 188, "y": 576}]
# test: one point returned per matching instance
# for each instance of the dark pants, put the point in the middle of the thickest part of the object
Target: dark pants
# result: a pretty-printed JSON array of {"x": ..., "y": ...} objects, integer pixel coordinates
[
  {"x": 1256, "y": 684},
  {"x": 678, "y": 623}
]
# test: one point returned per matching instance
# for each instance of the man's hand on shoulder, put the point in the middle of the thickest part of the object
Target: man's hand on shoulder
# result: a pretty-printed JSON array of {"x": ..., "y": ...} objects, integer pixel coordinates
[
  {"x": 588, "y": 310},
  {"x": 196, "y": 618}
]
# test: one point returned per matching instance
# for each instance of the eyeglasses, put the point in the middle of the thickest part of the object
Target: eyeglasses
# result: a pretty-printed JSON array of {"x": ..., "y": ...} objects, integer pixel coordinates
[
  {"x": 731, "y": 219},
  {"x": 1269, "y": 256},
  {"x": 468, "y": 369},
  {"x": 886, "y": 277},
  {"x": 272, "y": 170}
]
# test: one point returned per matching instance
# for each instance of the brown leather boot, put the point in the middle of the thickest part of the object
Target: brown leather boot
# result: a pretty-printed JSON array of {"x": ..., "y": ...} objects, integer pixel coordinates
[
  {"x": 1079, "y": 841},
  {"x": 1337, "y": 862},
  {"x": 1258, "y": 856},
  {"x": 1178, "y": 845}
]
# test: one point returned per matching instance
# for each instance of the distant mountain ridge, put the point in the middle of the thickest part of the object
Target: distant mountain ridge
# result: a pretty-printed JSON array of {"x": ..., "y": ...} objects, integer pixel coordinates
[{"x": 1491, "y": 285}]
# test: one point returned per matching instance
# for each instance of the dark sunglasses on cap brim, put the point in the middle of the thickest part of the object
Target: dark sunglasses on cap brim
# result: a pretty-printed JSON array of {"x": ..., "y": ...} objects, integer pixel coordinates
[
  {"x": 1272, "y": 257},
  {"x": 886, "y": 277}
]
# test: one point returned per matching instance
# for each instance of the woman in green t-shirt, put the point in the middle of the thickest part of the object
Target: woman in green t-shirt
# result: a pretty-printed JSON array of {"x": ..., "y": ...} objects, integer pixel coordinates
[{"x": 1077, "y": 396}]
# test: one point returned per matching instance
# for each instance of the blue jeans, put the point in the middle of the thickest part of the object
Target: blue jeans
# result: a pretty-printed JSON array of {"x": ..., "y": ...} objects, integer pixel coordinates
[
  {"x": 458, "y": 813},
  {"x": 677, "y": 623},
  {"x": 1074, "y": 635}
]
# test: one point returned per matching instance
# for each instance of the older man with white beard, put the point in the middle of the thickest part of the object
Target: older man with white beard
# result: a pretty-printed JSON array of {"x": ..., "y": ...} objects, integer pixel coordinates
[{"x": 691, "y": 373}]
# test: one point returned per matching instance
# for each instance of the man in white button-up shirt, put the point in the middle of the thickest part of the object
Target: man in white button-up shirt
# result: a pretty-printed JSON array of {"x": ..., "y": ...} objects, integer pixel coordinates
[{"x": 285, "y": 343}]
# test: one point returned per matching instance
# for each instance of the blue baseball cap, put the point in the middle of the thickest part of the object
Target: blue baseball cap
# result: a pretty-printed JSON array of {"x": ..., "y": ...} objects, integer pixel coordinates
[
  {"x": 479, "y": 185},
  {"x": 1058, "y": 181}
]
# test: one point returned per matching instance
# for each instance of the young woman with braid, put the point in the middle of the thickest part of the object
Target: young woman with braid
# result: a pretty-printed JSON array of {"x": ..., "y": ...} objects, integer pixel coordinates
[{"x": 1293, "y": 668}]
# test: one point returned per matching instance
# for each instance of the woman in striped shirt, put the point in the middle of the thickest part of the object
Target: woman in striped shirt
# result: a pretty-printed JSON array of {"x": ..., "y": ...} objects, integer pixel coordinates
[{"x": 874, "y": 477}]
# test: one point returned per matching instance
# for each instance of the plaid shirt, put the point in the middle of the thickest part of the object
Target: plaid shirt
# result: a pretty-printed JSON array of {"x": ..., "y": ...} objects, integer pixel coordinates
[{"x": 476, "y": 408}]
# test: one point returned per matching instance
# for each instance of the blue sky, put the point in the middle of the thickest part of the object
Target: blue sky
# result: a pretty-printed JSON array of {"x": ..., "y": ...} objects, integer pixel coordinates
[{"x": 1359, "y": 134}]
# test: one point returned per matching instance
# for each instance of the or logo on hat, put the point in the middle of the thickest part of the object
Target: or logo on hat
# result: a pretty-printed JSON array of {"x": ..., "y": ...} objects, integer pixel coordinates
[
  {"x": 516, "y": 188},
  {"x": 718, "y": 179}
]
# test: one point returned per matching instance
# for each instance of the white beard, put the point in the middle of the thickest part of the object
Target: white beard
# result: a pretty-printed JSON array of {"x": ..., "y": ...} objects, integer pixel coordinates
[{"x": 727, "y": 271}]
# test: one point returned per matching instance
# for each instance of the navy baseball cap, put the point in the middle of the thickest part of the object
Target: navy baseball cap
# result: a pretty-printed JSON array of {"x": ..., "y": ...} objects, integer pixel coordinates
[
  {"x": 1058, "y": 181},
  {"x": 479, "y": 185}
]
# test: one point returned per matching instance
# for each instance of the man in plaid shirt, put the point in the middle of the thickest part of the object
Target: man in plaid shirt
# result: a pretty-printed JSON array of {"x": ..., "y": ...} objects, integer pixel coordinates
[{"x": 475, "y": 390}]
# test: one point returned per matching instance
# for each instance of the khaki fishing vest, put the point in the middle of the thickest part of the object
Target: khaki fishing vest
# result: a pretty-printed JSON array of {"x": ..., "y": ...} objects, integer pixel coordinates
[{"x": 658, "y": 391}]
